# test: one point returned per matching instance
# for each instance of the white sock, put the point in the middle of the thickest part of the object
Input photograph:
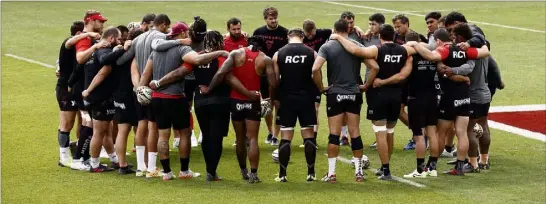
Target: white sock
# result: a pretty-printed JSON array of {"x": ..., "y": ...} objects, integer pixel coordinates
[
  {"x": 152, "y": 158},
  {"x": 344, "y": 131},
  {"x": 65, "y": 155},
  {"x": 141, "y": 165},
  {"x": 331, "y": 166},
  {"x": 315, "y": 128},
  {"x": 95, "y": 162},
  {"x": 193, "y": 133},
  {"x": 177, "y": 140},
  {"x": 113, "y": 157},
  {"x": 358, "y": 164}
]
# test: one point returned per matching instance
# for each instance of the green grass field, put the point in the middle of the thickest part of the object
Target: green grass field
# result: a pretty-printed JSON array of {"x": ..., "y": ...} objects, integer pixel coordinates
[{"x": 30, "y": 174}]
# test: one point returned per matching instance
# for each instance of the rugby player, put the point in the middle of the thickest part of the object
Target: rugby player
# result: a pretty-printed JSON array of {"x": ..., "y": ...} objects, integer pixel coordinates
[
  {"x": 384, "y": 98},
  {"x": 85, "y": 46},
  {"x": 275, "y": 37},
  {"x": 147, "y": 135},
  {"x": 67, "y": 105},
  {"x": 125, "y": 115},
  {"x": 169, "y": 104},
  {"x": 454, "y": 103},
  {"x": 99, "y": 80},
  {"x": 343, "y": 97},
  {"x": 247, "y": 65},
  {"x": 235, "y": 39},
  {"x": 293, "y": 65}
]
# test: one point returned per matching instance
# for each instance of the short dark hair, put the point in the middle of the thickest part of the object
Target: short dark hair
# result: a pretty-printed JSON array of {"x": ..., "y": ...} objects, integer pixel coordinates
[
  {"x": 308, "y": 25},
  {"x": 77, "y": 26},
  {"x": 341, "y": 26},
  {"x": 148, "y": 18},
  {"x": 413, "y": 36},
  {"x": 162, "y": 19},
  {"x": 377, "y": 17},
  {"x": 123, "y": 29},
  {"x": 442, "y": 19},
  {"x": 110, "y": 31},
  {"x": 454, "y": 16},
  {"x": 134, "y": 33},
  {"x": 463, "y": 30},
  {"x": 442, "y": 34},
  {"x": 233, "y": 21},
  {"x": 435, "y": 15},
  {"x": 270, "y": 11},
  {"x": 386, "y": 32},
  {"x": 347, "y": 14},
  {"x": 256, "y": 41},
  {"x": 403, "y": 19}
]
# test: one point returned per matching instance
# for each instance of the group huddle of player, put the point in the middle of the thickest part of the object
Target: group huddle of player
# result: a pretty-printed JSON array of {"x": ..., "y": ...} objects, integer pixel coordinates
[{"x": 150, "y": 77}]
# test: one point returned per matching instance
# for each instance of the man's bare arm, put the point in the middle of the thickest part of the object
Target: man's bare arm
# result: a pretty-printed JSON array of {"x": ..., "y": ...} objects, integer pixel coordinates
[
  {"x": 226, "y": 68},
  {"x": 147, "y": 74},
  {"x": 83, "y": 56},
  {"x": 374, "y": 69},
  {"x": 317, "y": 72},
  {"x": 205, "y": 58},
  {"x": 351, "y": 47},
  {"x": 271, "y": 76},
  {"x": 427, "y": 54},
  {"x": 174, "y": 75},
  {"x": 135, "y": 74},
  {"x": 73, "y": 40},
  {"x": 99, "y": 78},
  {"x": 276, "y": 68}
]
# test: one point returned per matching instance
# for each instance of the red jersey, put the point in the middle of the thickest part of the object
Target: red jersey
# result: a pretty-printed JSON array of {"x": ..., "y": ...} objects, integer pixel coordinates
[
  {"x": 233, "y": 44},
  {"x": 445, "y": 51},
  {"x": 247, "y": 75}
]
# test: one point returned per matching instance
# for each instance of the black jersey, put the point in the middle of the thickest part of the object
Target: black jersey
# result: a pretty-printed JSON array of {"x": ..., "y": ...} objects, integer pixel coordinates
[
  {"x": 421, "y": 79},
  {"x": 295, "y": 63},
  {"x": 67, "y": 62},
  {"x": 203, "y": 77},
  {"x": 391, "y": 58}
]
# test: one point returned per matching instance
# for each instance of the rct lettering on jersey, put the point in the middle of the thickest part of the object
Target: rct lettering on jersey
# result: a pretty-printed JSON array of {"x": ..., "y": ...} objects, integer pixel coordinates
[
  {"x": 392, "y": 58},
  {"x": 295, "y": 59},
  {"x": 459, "y": 54}
]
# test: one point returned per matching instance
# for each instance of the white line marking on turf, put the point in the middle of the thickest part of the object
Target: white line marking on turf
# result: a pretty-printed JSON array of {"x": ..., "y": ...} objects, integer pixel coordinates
[
  {"x": 421, "y": 15},
  {"x": 30, "y": 60},
  {"x": 363, "y": 13},
  {"x": 518, "y": 131},
  {"x": 401, "y": 180},
  {"x": 518, "y": 108}
]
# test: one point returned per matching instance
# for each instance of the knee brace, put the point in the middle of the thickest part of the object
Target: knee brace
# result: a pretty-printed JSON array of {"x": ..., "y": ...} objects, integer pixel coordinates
[
  {"x": 333, "y": 139},
  {"x": 356, "y": 143},
  {"x": 379, "y": 128},
  {"x": 390, "y": 130}
]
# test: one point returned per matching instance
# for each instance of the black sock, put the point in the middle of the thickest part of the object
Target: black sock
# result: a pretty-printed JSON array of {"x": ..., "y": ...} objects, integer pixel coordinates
[
  {"x": 449, "y": 148},
  {"x": 87, "y": 143},
  {"x": 420, "y": 166},
  {"x": 386, "y": 169},
  {"x": 185, "y": 163},
  {"x": 284, "y": 156},
  {"x": 81, "y": 141},
  {"x": 315, "y": 135},
  {"x": 459, "y": 165},
  {"x": 428, "y": 162},
  {"x": 166, "y": 163},
  {"x": 253, "y": 171},
  {"x": 310, "y": 154},
  {"x": 64, "y": 139},
  {"x": 432, "y": 163}
]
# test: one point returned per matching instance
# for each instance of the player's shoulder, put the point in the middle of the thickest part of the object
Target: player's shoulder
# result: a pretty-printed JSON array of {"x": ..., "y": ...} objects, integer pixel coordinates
[
  {"x": 260, "y": 30},
  {"x": 283, "y": 29}
]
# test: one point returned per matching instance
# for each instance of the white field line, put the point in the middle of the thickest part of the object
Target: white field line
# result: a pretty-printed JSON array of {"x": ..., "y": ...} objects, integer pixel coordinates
[
  {"x": 421, "y": 15},
  {"x": 368, "y": 13},
  {"x": 395, "y": 178},
  {"x": 30, "y": 60},
  {"x": 518, "y": 131}
]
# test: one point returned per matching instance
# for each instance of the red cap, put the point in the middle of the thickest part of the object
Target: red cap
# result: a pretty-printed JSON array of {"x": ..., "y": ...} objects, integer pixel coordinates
[
  {"x": 178, "y": 28},
  {"x": 95, "y": 16}
]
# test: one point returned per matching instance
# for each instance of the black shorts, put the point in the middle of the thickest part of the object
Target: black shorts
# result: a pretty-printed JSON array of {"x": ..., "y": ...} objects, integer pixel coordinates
[
  {"x": 245, "y": 110},
  {"x": 450, "y": 108},
  {"x": 383, "y": 104},
  {"x": 264, "y": 87},
  {"x": 102, "y": 111},
  {"x": 65, "y": 99},
  {"x": 171, "y": 112},
  {"x": 143, "y": 112},
  {"x": 125, "y": 112},
  {"x": 189, "y": 89},
  {"x": 340, "y": 103},
  {"x": 294, "y": 108},
  {"x": 479, "y": 110},
  {"x": 422, "y": 111},
  {"x": 213, "y": 119}
]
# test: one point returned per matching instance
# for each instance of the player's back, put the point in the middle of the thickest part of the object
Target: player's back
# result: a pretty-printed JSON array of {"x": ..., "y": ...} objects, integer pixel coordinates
[
  {"x": 343, "y": 68},
  {"x": 391, "y": 58},
  {"x": 295, "y": 63},
  {"x": 143, "y": 47},
  {"x": 247, "y": 74}
]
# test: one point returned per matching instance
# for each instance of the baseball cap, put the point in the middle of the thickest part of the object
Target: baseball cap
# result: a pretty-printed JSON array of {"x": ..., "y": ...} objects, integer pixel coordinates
[
  {"x": 95, "y": 16},
  {"x": 296, "y": 31},
  {"x": 178, "y": 28}
]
